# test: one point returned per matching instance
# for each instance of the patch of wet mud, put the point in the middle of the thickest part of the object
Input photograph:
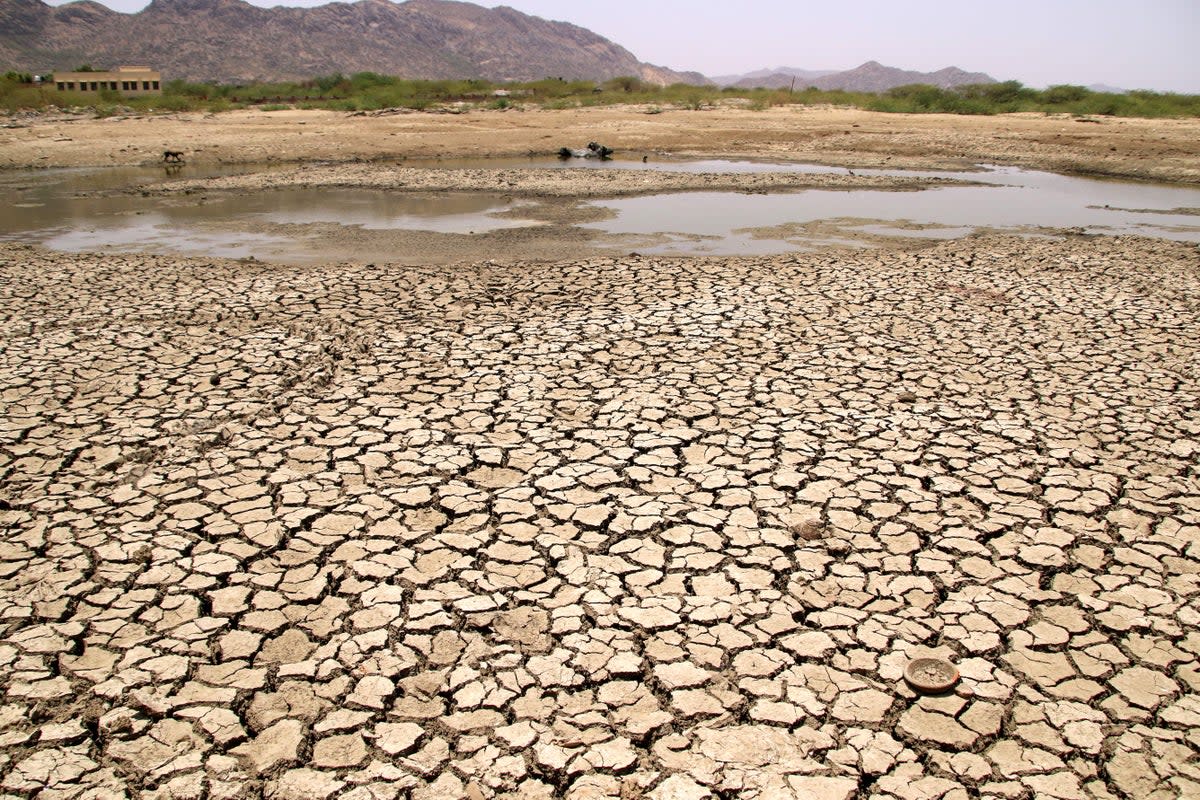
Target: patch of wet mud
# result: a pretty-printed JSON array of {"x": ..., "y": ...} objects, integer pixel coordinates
[
  {"x": 543, "y": 182},
  {"x": 1194, "y": 212}
]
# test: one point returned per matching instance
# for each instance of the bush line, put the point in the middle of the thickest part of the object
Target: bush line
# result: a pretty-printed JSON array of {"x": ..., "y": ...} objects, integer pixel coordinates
[{"x": 369, "y": 91}]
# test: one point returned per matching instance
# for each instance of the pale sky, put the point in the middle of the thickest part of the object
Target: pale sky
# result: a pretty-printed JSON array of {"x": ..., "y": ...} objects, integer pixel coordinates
[{"x": 1152, "y": 44}]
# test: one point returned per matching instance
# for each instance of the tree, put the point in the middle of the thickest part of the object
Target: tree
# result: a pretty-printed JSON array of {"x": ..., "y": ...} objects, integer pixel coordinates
[
  {"x": 624, "y": 83},
  {"x": 1064, "y": 94}
]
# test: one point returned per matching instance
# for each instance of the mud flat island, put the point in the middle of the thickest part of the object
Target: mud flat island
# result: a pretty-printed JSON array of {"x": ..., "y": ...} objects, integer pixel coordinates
[
  {"x": 619, "y": 527},
  {"x": 534, "y": 182}
]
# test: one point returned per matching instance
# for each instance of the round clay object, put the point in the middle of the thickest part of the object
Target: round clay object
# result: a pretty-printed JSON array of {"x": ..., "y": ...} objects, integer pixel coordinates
[{"x": 930, "y": 675}]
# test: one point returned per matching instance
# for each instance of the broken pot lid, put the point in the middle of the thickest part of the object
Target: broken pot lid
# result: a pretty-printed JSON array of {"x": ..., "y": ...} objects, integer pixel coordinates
[{"x": 931, "y": 675}]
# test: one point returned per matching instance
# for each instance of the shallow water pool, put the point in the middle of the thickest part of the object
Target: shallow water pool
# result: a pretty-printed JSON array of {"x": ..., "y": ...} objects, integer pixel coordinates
[
  {"x": 1012, "y": 200},
  {"x": 295, "y": 225}
]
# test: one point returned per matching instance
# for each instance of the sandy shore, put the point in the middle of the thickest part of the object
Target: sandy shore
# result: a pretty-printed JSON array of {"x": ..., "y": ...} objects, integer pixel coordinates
[
  {"x": 597, "y": 526},
  {"x": 1165, "y": 150}
]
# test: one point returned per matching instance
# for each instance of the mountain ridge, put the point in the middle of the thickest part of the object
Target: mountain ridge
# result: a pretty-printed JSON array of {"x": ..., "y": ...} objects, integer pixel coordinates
[
  {"x": 800, "y": 74},
  {"x": 430, "y": 39},
  {"x": 870, "y": 76}
]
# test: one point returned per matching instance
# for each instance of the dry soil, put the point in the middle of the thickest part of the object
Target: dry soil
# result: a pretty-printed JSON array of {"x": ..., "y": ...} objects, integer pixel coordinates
[
  {"x": 1166, "y": 150},
  {"x": 601, "y": 527}
]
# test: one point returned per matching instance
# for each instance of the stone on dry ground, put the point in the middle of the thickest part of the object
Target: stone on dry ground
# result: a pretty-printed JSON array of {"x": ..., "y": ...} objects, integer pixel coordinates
[{"x": 622, "y": 527}]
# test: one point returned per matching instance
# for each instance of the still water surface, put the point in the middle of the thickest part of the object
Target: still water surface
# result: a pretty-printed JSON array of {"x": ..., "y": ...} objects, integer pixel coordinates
[
  {"x": 1011, "y": 200},
  {"x": 44, "y": 208}
]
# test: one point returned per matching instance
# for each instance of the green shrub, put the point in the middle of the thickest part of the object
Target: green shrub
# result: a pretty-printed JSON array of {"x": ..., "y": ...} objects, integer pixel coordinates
[
  {"x": 195, "y": 90},
  {"x": 361, "y": 81},
  {"x": 15, "y": 94},
  {"x": 168, "y": 102},
  {"x": 328, "y": 83},
  {"x": 625, "y": 83},
  {"x": 1057, "y": 95}
]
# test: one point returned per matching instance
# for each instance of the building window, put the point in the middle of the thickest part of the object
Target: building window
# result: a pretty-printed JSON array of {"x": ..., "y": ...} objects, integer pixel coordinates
[
  {"x": 62, "y": 87},
  {"x": 155, "y": 85},
  {"x": 145, "y": 86},
  {"x": 95, "y": 87}
]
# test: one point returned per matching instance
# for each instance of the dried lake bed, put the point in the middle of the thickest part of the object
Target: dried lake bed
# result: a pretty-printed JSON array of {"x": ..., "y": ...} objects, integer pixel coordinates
[{"x": 603, "y": 525}]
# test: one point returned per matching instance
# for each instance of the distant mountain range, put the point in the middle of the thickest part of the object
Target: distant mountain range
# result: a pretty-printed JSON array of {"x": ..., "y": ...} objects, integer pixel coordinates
[
  {"x": 869, "y": 77},
  {"x": 773, "y": 76},
  {"x": 232, "y": 41}
]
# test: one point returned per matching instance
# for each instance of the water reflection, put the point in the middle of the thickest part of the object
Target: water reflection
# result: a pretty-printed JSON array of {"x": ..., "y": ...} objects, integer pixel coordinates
[
  {"x": 1014, "y": 200},
  {"x": 153, "y": 233},
  {"x": 45, "y": 208},
  {"x": 458, "y": 212}
]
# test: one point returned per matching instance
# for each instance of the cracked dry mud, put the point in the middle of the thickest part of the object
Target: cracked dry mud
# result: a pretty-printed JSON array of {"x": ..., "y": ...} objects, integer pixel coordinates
[{"x": 608, "y": 528}]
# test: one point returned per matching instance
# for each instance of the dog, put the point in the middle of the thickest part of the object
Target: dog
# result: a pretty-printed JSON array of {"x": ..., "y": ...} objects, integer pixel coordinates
[{"x": 173, "y": 156}]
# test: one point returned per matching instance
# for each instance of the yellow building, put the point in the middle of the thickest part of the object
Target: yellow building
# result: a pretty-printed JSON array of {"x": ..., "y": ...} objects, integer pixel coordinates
[{"x": 132, "y": 81}]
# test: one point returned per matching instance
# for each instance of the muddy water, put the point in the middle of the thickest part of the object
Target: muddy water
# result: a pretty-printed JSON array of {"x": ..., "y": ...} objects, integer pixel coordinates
[
  {"x": 1012, "y": 200},
  {"x": 60, "y": 210},
  {"x": 296, "y": 224}
]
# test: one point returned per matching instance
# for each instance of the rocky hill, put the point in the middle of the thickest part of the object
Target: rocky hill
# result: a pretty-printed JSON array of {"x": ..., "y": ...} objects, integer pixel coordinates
[
  {"x": 774, "y": 77},
  {"x": 232, "y": 41},
  {"x": 869, "y": 77}
]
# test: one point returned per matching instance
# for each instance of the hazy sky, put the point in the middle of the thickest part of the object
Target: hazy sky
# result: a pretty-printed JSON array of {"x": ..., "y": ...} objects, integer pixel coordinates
[{"x": 1152, "y": 44}]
